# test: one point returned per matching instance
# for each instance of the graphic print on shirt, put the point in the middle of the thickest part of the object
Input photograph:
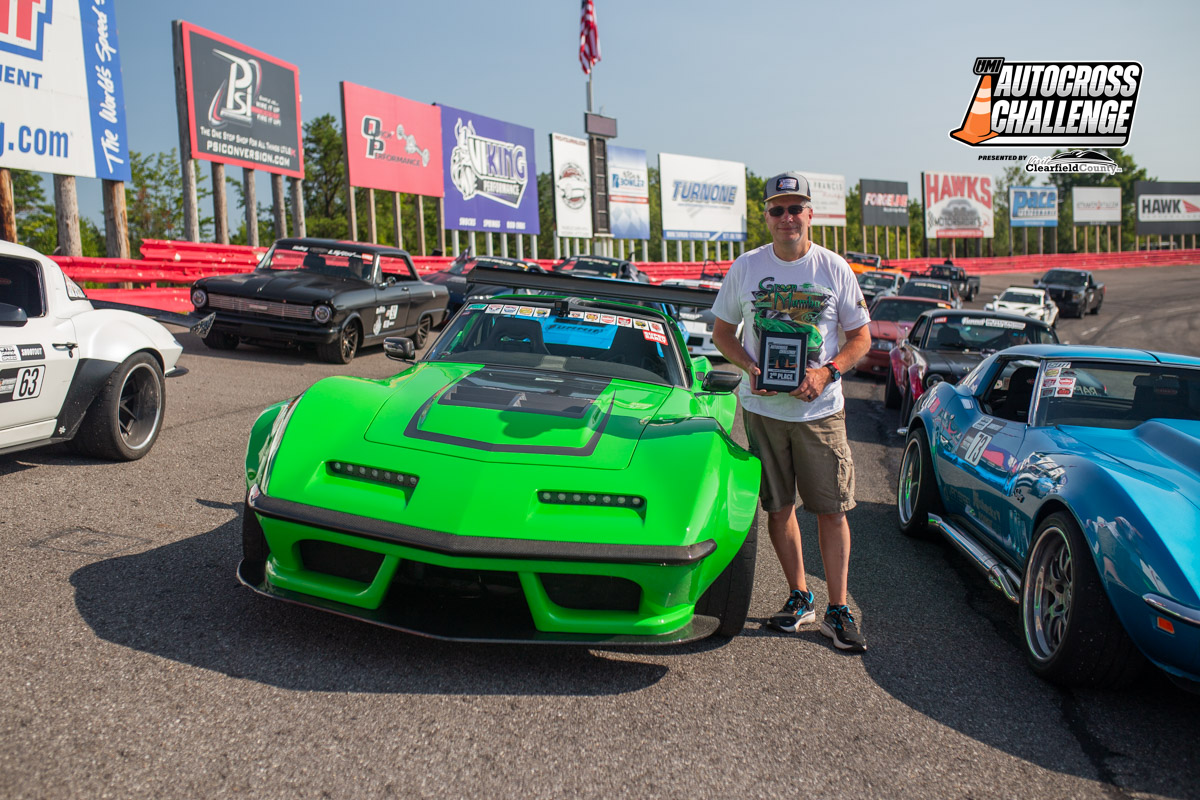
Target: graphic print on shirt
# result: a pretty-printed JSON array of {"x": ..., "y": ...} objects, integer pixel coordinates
[{"x": 792, "y": 308}]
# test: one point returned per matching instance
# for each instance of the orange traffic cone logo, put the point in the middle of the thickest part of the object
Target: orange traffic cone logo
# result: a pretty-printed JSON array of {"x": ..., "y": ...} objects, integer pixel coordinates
[{"x": 977, "y": 126}]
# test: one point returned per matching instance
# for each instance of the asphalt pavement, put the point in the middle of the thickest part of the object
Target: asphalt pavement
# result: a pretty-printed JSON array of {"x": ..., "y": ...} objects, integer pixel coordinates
[{"x": 133, "y": 664}]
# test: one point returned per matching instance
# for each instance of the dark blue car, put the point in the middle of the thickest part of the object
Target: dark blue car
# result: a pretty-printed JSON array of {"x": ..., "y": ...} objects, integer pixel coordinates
[{"x": 1070, "y": 475}]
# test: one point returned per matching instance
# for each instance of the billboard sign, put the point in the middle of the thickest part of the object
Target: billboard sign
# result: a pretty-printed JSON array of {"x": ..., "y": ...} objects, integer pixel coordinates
[
  {"x": 958, "y": 206},
  {"x": 489, "y": 175},
  {"x": 1033, "y": 206},
  {"x": 1167, "y": 209},
  {"x": 628, "y": 193},
  {"x": 62, "y": 104},
  {"x": 392, "y": 143},
  {"x": 884, "y": 202},
  {"x": 702, "y": 198},
  {"x": 1096, "y": 205},
  {"x": 243, "y": 105},
  {"x": 828, "y": 198},
  {"x": 572, "y": 186}
]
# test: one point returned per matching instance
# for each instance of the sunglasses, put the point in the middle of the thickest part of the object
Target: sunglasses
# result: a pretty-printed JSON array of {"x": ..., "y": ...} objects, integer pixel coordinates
[{"x": 777, "y": 211}]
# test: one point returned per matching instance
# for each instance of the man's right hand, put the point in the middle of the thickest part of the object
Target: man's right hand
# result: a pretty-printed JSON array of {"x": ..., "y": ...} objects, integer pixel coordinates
[{"x": 754, "y": 372}]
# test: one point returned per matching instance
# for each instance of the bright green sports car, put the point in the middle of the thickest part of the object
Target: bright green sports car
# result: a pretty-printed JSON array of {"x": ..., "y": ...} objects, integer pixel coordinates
[{"x": 555, "y": 469}]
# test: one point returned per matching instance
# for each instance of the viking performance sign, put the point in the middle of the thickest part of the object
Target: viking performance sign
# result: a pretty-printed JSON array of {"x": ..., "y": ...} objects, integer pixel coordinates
[
  {"x": 490, "y": 177},
  {"x": 884, "y": 202},
  {"x": 1051, "y": 103},
  {"x": 62, "y": 106},
  {"x": 243, "y": 105}
]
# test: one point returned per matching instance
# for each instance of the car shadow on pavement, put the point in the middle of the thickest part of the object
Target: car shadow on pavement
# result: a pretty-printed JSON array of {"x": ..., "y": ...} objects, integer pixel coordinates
[
  {"x": 183, "y": 602},
  {"x": 946, "y": 644}
]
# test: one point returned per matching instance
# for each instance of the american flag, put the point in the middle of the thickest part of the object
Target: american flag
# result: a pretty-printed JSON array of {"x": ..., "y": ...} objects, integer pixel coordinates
[{"x": 589, "y": 38}]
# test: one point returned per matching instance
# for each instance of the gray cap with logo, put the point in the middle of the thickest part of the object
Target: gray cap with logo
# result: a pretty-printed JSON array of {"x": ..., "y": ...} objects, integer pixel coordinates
[{"x": 786, "y": 183}]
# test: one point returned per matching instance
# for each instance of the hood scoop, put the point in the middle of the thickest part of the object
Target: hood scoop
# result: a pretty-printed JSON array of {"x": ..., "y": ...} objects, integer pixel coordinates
[{"x": 558, "y": 395}]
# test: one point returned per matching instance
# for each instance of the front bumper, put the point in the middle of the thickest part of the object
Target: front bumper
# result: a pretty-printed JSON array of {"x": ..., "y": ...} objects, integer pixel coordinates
[
  {"x": 875, "y": 362},
  {"x": 470, "y": 588},
  {"x": 260, "y": 329}
]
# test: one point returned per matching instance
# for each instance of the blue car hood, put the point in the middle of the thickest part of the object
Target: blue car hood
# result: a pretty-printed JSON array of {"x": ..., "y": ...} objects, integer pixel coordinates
[{"x": 1166, "y": 449}]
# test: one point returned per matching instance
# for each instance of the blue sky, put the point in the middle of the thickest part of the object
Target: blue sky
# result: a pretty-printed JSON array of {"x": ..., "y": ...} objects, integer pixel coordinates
[{"x": 866, "y": 90}]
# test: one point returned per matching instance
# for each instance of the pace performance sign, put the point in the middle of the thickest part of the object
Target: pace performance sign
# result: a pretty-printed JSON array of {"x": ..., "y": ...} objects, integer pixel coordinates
[
  {"x": 702, "y": 198},
  {"x": 572, "y": 186},
  {"x": 1033, "y": 206},
  {"x": 628, "y": 193},
  {"x": 490, "y": 177},
  {"x": 884, "y": 202},
  {"x": 392, "y": 143},
  {"x": 1167, "y": 208},
  {"x": 1096, "y": 205},
  {"x": 828, "y": 198},
  {"x": 62, "y": 106},
  {"x": 243, "y": 105},
  {"x": 957, "y": 205}
]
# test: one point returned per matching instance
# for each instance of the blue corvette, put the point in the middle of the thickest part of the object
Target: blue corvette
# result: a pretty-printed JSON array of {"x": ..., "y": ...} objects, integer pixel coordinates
[{"x": 1070, "y": 475}]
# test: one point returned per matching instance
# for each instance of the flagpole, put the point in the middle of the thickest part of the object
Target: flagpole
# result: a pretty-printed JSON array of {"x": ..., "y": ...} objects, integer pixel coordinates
[{"x": 590, "y": 109}]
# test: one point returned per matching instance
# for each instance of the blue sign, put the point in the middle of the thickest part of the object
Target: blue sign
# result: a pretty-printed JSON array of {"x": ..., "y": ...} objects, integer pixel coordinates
[
  {"x": 490, "y": 176},
  {"x": 1033, "y": 206},
  {"x": 628, "y": 193}
]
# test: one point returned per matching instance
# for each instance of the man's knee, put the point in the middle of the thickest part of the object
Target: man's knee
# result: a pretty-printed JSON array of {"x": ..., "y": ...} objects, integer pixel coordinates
[
  {"x": 837, "y": 518},
  {"x": 782, "y": 514}
]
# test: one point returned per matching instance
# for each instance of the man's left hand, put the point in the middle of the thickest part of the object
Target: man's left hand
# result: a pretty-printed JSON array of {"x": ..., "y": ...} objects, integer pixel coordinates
[{"x": 815, "y": 381}]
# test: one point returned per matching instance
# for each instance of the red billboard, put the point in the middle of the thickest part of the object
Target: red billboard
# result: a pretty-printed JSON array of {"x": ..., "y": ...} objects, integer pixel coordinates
[{"x": 392, "y": 143}]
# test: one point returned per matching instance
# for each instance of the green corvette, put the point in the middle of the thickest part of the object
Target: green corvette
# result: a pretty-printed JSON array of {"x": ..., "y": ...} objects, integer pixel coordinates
[{"x": 555, "y": 469}]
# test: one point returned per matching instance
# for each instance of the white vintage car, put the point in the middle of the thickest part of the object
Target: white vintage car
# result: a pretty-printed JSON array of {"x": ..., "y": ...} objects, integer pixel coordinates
[
  {"x": 73, "y": 372},
  {"x": 1027, "y": 301},
  {"x": 698, "y": 322}
]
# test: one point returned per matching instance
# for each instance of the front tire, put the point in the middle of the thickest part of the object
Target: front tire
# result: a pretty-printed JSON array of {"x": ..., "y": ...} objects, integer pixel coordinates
[
  {"x": 728, "y": 598},
  {"x": 342, "y": 349},
  {"x": 124, "y": 420},
  {"x": 916, "y": 488},
  {"x": 1071, "y": 633},
  {"x": 216, "y": 340},
  {"x": 421, "y": 334}
]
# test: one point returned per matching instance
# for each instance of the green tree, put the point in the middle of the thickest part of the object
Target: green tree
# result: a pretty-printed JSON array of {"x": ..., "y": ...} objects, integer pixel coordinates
[
  {"x": 37, "y": 225},
  {"x": 154, "y": 198},
  {"x": 1124, "y": 179},
  {"x": 325, "y": 179}
]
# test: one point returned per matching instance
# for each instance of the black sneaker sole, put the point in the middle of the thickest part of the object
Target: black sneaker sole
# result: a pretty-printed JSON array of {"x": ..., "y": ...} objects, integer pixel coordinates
[
  {"x": 791, "y": 627},
  {"x": 841, "y": 644}
]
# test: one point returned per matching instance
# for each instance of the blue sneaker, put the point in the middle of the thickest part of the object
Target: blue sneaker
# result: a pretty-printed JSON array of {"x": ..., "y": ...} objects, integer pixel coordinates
[
  {"x": 840, "y": 626},
  {"x": 797, "y": 611}
]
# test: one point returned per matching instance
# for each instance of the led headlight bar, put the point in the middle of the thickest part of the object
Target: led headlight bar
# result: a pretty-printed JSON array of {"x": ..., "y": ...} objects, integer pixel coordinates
[
  {"x": 592, "y": 499},
  {"x": 374, "y": 474}
]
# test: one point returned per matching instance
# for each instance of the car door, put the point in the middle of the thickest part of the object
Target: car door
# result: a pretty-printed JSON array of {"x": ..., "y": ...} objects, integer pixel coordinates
[
  {"x": 394, "y": 296},
  {"x": 37, "y": 360},
  {"x": 988, "y": 457}
]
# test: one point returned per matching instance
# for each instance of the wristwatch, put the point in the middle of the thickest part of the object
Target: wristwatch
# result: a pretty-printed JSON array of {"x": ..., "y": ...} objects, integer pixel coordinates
[{"x": 834, "y": 372}]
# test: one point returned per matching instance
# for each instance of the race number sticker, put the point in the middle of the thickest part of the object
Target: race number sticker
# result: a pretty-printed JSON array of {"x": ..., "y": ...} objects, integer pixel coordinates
[
  {"x": 24, "y": 383},
  {"x": 978, "y": 445}
]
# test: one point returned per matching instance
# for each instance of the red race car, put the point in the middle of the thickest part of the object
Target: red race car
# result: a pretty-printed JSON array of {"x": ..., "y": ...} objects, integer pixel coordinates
[{"x": 891, "y": 319}]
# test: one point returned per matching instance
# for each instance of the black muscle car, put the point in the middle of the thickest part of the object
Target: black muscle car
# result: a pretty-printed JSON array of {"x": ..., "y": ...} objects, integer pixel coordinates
[
  {"x": 335, "y": 295},
  {"x": 1074, "y": 291},
  {"x": 946, "y": 344},
  {"x": 454, "y": 277}
]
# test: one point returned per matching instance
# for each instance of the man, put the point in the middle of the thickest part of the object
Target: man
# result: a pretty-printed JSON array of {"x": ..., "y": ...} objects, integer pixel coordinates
[{"x": 797, "y": 286}]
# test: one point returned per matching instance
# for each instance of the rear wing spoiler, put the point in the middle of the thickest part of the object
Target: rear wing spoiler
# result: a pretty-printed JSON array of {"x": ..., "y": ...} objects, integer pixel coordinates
[
  {"x": 599, "y": 288},
  {"x": 196, "y": 323}
]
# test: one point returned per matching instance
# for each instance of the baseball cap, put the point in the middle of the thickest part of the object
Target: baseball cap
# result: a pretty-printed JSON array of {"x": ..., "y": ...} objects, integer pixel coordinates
[{"x": 786, "y": 183}]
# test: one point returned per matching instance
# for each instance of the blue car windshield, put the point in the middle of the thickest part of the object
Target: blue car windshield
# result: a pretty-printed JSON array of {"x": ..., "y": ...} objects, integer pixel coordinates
[
  {"x": 1105, "y": 395},
  {"x": 590, "y": 341}
]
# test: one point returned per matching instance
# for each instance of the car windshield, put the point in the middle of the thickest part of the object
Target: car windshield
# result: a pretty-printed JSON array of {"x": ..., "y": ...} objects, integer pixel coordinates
[
  {"x": 961, "y": 333},
  {"x": 592, "y": 266},
  {"x": 322, "y": 260},
  {"x": 892, "y": 310},
  {"x": 1028, "y": 298},
  {"x": 609, "y": 342},
  {"x": 856, "y": 258},
  {"x": 869, "y": 281},
  {"x": 1065, "y": 276},
  {"x": 939, "y": 291},
  {"x": 1105, "y": 395}
]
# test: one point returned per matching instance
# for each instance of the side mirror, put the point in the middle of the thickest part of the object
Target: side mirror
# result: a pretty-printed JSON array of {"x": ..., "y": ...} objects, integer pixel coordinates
[
  {"x": 995, "y": 297},
  {"x": 720, "y": 382},
  {"x": 12, "y": 316},
  {"x": 399, "y": 348}
]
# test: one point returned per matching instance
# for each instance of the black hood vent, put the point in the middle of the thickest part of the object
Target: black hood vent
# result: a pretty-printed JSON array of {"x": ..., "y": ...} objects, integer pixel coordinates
[{"x": 526, "y": 391}]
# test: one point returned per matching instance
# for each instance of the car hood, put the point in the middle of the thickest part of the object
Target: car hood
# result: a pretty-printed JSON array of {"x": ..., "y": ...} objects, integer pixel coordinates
[
  {"x": 1168, "y": 450},
  {"x": 294, "y": 286},
  {"x": 521, "y": 416},
  {"x": 886, "y": 329},
  {"x": 950, "y": 362},
  {"x": 1016, "y": 308}
]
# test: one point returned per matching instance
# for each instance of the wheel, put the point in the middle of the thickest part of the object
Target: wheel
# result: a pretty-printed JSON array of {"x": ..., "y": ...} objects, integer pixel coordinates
[
  {"x": 728, "y": 598},
  {"x": 1099, "y": 303},
  {"x": 421, "y": 334},
  {"x": 1072, "y": 635},
  {"x": 891, "y": 392},
  {"x": 916, "y": 489},
  {"x": 342, "y": 349},
  {"x": 216, "y": 340},
  {"x": 124, "y": 420}
]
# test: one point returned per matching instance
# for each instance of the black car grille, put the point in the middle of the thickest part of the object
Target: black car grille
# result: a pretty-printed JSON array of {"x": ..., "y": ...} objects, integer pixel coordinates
[
  {"x": 592, "y": 592},
  {"x": 339, "y": 560},
  {"x": 260, "y": 308}
]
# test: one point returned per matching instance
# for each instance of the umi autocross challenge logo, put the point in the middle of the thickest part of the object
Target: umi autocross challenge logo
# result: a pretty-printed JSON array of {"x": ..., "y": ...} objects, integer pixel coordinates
[
  {"x": 1051, "y": 103},
  {"x": 23, "y": 26}
]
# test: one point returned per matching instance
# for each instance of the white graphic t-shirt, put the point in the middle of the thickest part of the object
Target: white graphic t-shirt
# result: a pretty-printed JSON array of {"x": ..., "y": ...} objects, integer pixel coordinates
[{"x": 814, "y": 295}]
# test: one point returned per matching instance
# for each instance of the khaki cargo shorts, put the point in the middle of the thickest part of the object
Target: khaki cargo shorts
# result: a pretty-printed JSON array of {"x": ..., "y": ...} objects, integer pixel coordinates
[{"x": 810, "y": 458}]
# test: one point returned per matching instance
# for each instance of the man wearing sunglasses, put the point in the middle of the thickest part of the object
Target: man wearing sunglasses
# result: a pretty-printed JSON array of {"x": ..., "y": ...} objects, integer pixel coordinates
[{"x": 795, "y": 285}]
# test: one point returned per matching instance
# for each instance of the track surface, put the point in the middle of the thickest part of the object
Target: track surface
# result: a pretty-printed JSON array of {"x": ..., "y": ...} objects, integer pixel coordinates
[{"x": 132, "y": 664}]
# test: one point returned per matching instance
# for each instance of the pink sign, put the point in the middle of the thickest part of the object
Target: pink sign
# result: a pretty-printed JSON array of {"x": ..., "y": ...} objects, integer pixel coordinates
[{"x": 392, "y": 143}]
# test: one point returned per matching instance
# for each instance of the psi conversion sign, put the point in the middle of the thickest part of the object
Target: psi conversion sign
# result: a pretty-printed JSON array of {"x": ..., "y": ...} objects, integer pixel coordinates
[{"x": 62, "y": 107}]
